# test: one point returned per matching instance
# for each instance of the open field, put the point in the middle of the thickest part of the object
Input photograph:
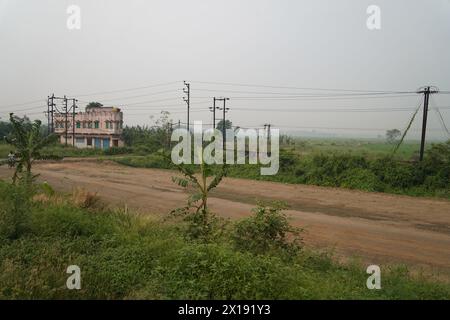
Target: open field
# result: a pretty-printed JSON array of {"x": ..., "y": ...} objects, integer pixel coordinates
[
  {"x": 303, "y": 146},
  {"x": 379, "y": 228},
  {"x": 371, "y": 148}
]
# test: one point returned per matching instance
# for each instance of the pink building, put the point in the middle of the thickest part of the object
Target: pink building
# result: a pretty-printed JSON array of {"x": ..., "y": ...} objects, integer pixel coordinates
[{"x": 97, "y": 127}]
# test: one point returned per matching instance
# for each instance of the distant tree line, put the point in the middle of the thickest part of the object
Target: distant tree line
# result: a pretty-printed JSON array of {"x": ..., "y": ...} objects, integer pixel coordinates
[{"x": 6, "y": 127}]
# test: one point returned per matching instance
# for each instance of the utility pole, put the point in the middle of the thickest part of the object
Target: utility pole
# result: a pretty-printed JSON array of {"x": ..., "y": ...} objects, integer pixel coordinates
[
  {"x": 66, "y": 122},
  {"x": 50, "y": 111},
  {"x": 187, "y": 99},
  {"x": 48, "y": 115},
  {"x": 53, "y": 113},
  {"x": 267, "y": 129},
  {"x": 426, "y": 91},
  {"x": 74, "y": 106},
  {"x": 169, "y": 134},
  {"x": 213, "y": 110},
  {"x": 225, "y": 110}
]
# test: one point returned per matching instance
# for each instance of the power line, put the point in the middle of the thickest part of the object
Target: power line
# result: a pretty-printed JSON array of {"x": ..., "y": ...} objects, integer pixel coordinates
[
  {"x": 137, "y": 103},
  {"x": 138, "y": 96},
  {"x": 440, "y": 117},
  {"x": 294, "y": 87},
  {"x": 313, "y": 98},
  {"x": 98, "y": 93},
  {"x": 128, "y": 89},
  {"x": 442, "y": 122},
  {"x": 332, "y": 128},
  {"x": 306, "y": 95},
  {"x": 22, "y": 104},
  {"x": 408, "y": 127},
  {"x": 174, "y": 112},
  {"x": 387, "y": 92},
  {"x": 369, "y": 110}
]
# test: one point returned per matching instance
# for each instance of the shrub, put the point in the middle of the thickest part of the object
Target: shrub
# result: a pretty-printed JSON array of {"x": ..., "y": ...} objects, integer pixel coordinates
[
  {"x": 363, "y": 179},
  {"x": 14, "y": 210},
  {"x": 393, "y": 173},
  {"x": 288, "y": 160},
  {"x": 215, "y": 271},
  {"x": 85, "y": 199},
  {"x": 67, "y": 221},
  {"x": 266, "y": 231},
  {"x": 142, "y": 150},
  {"x": 327, "y": 170}
]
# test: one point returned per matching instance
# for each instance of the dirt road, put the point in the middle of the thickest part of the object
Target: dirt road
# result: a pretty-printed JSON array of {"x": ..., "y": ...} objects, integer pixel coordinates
[{"x": 379, "y": 228}]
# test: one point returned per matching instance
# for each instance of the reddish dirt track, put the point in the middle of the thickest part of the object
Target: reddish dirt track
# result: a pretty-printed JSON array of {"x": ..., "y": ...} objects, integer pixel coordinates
[{"x": 378, "y": 228}]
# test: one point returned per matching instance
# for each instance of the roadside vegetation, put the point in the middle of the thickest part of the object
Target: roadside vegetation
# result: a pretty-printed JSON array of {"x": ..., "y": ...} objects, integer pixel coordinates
[
  {"x": 380, "y": 174},
  {"x": 127, "y": 256}
]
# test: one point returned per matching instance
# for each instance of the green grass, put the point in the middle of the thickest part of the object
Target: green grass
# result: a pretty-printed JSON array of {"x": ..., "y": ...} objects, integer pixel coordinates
[
  {"x": 370, "y": 148},
  {"x": 124, "y": 256},
  {"x": 4, "y": 150}
]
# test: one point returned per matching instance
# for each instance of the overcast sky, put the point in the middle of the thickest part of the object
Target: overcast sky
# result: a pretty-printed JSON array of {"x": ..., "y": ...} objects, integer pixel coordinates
[{"x": 274, "y": 43}]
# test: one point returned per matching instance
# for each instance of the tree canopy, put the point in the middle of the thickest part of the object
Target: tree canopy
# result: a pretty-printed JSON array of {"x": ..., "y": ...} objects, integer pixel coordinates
[
  {"x": 228, "y": 125},
  {"x": 392, "y": 135}
]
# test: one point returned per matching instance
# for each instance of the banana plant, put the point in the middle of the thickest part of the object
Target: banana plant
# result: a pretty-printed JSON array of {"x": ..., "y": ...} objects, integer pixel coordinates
[
  {"x": 28, "y": 142},
  {"x": 196, "y": 212},
  {"x": 199, "y": 200}
]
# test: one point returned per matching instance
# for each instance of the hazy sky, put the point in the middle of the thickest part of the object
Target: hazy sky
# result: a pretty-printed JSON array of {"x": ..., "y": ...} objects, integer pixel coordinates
[{"x": 278, "y": 43}]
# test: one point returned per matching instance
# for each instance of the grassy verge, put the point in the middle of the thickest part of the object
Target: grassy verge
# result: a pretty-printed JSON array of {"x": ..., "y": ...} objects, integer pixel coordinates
[
  {"x": 430, "y": 178},
  {"x": 124, "y": 256}
]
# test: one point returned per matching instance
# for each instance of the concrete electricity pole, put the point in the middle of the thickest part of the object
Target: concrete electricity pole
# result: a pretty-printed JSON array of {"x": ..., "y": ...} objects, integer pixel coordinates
[
  {"x": 225, "y": 110},
  {"x": 426, "y": 91},
  {"x": 74, "y": 107},
  {"x": 267, "y": 129},
  {"x": 213, "y": 110},
  {"x": 50, "y": 112},
  {"x": 66, "y": 122},
  {"x": 187, "y": 99}
]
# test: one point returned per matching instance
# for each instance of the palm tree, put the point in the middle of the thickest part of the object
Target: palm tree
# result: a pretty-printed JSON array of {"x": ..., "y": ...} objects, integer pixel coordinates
[{"x": 28, "y": 141}]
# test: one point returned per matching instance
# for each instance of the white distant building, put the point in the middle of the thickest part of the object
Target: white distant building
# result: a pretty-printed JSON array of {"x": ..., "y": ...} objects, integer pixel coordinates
[{"x": 97, "y": 127}]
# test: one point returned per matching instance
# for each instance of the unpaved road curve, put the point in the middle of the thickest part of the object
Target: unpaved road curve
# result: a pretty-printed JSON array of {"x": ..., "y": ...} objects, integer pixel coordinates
[{"x": 379, "y": 228}]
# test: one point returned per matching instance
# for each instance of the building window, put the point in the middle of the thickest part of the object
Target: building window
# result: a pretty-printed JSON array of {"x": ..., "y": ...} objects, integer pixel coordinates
[
  {"x": 96, "y": 124},
  {"x": 79, "y": 140},
  {"x": 107, "y": 124},
  {"x": 84, "y": 124},
  {"x": 90, "y": 124},
  {"x": 78, "y": 124},
  {"x": 89, "y": 141}
]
